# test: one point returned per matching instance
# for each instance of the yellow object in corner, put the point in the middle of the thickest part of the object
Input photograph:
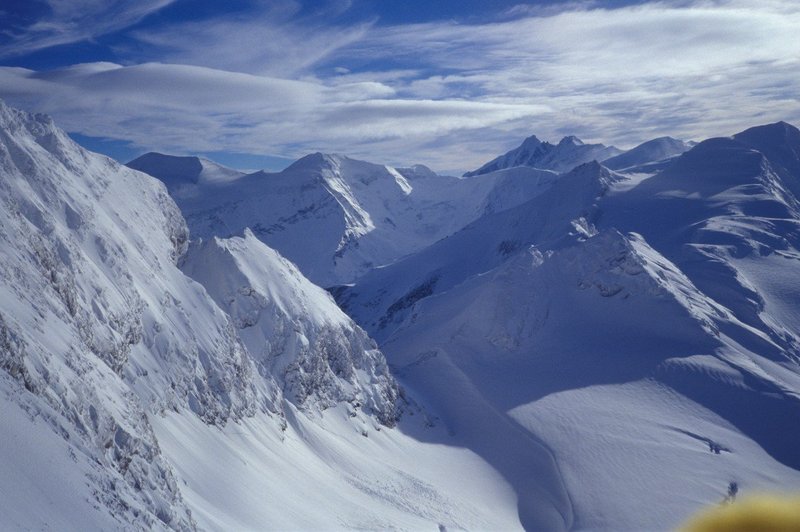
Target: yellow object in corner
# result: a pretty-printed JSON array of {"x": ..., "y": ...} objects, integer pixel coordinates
[{"x": 758, "y": 513}]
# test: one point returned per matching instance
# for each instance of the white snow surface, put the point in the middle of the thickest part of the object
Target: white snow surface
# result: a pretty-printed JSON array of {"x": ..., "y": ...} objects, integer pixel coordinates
[
  {"x": 584, "y": 350},
  {"x": 652, "y": 153},
  {"x": 103, "y": 338},
  {"x": 94, "y": 325},
  {"x": 360, "y": 215},
  {"x": 292, "y": 328},
  {"x": 384, "y": 297},
  {"x": 562, "y": 157},
  {"x": 332, "y": 475},
  {"x": 644, "y": 420},
  {"x": 642, "y": 330},
  {"x": 183, "y": 175}
]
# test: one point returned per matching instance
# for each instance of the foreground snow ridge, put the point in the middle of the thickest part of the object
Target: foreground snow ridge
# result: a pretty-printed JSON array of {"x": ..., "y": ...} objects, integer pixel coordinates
[{"x": 570, "y": 337}]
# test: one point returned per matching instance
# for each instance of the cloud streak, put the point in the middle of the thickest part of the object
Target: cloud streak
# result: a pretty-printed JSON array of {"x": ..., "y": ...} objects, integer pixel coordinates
[
  {"x": 186, "y": 108},
  {"x": 732, "y": 60},
  {"x": 447, "y": 94},
  {"x": 272, "y": 39},
  {"x": 70, "y": 21}
]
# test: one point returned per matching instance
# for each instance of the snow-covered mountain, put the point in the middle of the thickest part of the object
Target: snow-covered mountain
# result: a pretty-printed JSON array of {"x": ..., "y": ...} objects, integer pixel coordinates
[
  {"x": 164, "y": 403},
  {"x": 99, "y": 328},
  {"x": 650, "y": 152},
  {"x": 641, "y": 329},
  {"x": 361, "y": 215},
  {"x": 647, "y": 419},
  {"x": 183, "y": 175},
  {"x": 385, "y": 297},
  {"x": 293, "y": 329},
  {"x": 589, "y": 349},
  {"x": 562, "y": 157}
]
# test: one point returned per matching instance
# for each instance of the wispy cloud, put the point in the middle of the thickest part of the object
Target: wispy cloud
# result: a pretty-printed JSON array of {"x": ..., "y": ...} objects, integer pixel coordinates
[
  {"x": 447, "y": 94},
  {"x": 186, "y": 108},
  {"x": 618, "y": 74},
  {"x": 70, "y": 21},
  {"x": 272, "y": 38}
]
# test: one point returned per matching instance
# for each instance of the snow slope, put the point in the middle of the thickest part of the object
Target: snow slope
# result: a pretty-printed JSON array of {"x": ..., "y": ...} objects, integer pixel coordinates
[
  {"x": 585, "y": 350},
  {"x": 293, "y": 329},
  {"x": 641, "y": 331},
  {"x": 361, "y": 215},
  {"x": 652, "y": 152},
  {"x": 182, "y": 175},
  {"x": 562, "y": 157},
  {"x": 384, "y": 298},
  {"x": 351, "y": 451},
  {"x": 92, "y": 331},
  {"x": 565, "y": 344},
  {"x": 133, "y": 398},
  {"x": 727, "y": 214}
]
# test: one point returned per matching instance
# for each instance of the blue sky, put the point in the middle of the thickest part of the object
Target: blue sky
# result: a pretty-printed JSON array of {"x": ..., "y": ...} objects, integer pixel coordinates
[{"x": 450, "y": 84}]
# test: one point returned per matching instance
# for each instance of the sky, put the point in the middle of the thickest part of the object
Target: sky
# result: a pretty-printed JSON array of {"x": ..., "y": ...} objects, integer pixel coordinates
[{"x": 449, "y": 84}]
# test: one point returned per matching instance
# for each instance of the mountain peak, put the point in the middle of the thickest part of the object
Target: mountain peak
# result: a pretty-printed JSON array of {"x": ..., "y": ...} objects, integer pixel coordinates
[
  {"x": 41, "y": 130},
  {"x": 316, "y": 160},
  {"x": 39, "y": 124},
  {"x": 531, "y": 143},
  {"x": 417, "y": 171},
  {"x": 570, "y": 140},
  {"x": 648, "y": 153},
  {"x": 775, "y": 133},
  {"x": 595, "y": 171},
  {"x": 780, "y": 144},
  {"x": 155, "y": 158},
  {"x": 179, "y": 171},
  {"x": 567, "y": 154}
]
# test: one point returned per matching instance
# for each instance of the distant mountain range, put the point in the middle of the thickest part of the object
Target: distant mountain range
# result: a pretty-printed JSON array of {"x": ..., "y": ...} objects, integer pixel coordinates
[
  {"x": 361, "y": 215},
  {"x": 567, "y": 154}
]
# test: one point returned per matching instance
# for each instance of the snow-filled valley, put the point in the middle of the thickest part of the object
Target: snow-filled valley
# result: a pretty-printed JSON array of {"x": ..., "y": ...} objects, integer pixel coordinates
[{"x": 570, "y": 337}]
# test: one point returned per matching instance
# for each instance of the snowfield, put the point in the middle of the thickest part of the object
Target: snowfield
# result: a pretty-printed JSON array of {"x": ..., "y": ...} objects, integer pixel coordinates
[
  {"x": 361, "y": 215},
  {"x": 107, "y": 348},
  {"x": 570, "y": 337},
  {"x": 641, "y": 327}
]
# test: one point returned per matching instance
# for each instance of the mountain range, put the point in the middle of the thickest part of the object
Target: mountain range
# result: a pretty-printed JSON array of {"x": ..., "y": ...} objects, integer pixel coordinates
[
  {"x": 569, "y": 337},
  {"x": 361, "y": 215}
]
